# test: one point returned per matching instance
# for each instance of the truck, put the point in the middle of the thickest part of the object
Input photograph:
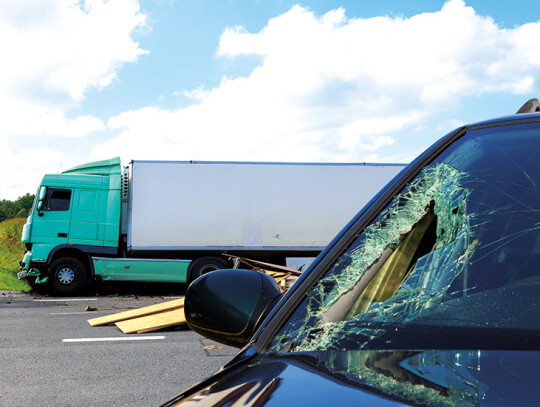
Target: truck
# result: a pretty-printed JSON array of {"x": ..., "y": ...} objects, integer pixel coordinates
[{"x": 172, "y": 221}]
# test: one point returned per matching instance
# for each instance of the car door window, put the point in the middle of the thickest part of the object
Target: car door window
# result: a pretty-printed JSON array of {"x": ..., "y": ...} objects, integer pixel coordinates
[{"x": 455, "y": 254}]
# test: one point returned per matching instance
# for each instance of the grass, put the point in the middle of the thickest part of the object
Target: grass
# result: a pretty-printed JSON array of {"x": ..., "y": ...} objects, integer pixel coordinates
[{"x": 11, "y": 252}]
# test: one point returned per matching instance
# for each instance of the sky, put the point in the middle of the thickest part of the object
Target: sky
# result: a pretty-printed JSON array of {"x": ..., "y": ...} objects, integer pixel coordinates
[{"x": 252, "y": 80}]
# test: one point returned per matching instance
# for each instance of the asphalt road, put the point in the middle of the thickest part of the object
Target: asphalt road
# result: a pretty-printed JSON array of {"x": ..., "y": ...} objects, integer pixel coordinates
[{"x": 41, "y": 365}]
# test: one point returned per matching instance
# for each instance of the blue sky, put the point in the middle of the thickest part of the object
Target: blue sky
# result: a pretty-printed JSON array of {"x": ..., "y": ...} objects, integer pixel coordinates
[{"x": 332, "y": 81}]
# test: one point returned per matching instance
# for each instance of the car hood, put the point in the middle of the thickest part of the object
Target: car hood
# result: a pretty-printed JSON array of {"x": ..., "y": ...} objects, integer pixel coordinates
[{"x": 374, "y": 378}]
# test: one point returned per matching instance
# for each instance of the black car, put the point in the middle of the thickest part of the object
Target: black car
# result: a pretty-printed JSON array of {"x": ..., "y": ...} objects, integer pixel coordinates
[{"x": 429, "y": 296}]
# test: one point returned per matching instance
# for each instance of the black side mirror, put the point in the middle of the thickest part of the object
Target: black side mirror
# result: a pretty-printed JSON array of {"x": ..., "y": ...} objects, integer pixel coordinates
[
  {"x": 39, "y": 208},
  {"x": 227, "y": 306}
]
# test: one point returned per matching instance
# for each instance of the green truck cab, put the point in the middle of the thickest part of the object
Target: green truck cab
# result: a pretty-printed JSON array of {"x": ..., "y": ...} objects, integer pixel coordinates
[{"x": 75, "y": 216}]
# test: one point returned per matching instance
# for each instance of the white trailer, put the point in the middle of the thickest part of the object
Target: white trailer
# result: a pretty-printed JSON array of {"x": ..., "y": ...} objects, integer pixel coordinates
[{"x": 266, "y": 208}]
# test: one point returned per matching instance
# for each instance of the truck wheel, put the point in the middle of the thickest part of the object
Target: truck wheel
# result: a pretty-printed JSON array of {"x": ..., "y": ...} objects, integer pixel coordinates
[
  {"x": 205, "y": 265},
  {"x": 67, "y": 276}
]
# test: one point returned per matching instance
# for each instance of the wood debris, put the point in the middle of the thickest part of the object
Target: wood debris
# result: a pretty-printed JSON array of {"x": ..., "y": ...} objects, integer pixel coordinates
[
  {"x": 212, "y": 347},
  {"x": 152, "y": 322},
  {"x": 136, "y": 313},
  {"x": 284, "y": 276}
]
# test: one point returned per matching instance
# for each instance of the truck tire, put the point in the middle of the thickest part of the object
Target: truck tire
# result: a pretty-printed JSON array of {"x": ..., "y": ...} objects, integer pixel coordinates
[
  {"x": 205, "y": 265},
  {"x": 67, "y": 276}
]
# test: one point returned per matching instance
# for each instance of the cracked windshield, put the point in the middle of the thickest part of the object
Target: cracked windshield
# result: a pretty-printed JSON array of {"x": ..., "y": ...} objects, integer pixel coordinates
[{"x": 453, "y": 257}]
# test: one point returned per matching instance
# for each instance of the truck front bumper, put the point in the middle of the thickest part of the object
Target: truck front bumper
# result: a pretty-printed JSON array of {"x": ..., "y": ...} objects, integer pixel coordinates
[
  {"x": 29, "y": 273},
  {"x": 25, "y": 265},
  {"x": 27, "y": 270}
]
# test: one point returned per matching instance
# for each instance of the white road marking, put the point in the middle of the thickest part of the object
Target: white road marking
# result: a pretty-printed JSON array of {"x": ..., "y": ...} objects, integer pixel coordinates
[
  {"x": 132, "y": 338},
  {"x": 72, "y": 313},
  {"x": 67, "y": 299}
]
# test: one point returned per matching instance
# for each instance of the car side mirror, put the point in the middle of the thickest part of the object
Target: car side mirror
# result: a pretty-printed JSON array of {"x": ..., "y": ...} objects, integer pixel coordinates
[{"x": 227, "y": 306}]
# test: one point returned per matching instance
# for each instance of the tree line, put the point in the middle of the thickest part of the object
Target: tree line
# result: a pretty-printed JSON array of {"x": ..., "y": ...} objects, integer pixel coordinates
[{"x": 19, "y": 208}]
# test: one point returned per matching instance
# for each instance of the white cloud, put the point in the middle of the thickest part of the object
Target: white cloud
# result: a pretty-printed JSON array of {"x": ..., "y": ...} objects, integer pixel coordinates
[
  {"x": 198, "y": 93},
  {"x": 53, "y": 51},
  {"x": 333, "y": 88},
  {"x": 25, "y": 169},
  {"x": 60, "y": 48}
]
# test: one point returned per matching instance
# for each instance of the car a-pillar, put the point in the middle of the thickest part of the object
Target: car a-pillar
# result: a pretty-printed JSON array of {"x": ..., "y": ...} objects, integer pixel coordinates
[
  {"x": 203, "y": 265},
  {"x": 68, "y": 274}
]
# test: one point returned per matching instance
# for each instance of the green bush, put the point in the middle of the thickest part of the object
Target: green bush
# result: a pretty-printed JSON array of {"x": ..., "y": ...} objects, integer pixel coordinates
[
  {"x": 16, "y": 209},
  {"x": 10, "y": 232},
  {"x": 11, "y": 252}
]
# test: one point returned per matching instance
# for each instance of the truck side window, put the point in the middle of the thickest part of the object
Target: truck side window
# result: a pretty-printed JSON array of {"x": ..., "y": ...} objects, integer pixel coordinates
[{"x": 58, "y": 199}]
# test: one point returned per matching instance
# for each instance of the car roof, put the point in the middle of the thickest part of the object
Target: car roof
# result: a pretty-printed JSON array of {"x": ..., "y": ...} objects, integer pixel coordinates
[{"x": 513, "y": 118}]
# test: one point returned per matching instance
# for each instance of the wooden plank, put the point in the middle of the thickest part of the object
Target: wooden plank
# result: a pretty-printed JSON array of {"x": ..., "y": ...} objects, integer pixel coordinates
[
  {"x": 139, "y": 312},
  {"x": 153, "y": 322},
  {"x": 246, "y": 261}
]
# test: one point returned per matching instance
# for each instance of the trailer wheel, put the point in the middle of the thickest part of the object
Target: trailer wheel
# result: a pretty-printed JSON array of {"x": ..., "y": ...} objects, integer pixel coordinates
[
  {"x": 67, "y": 276},
  {"x": 205, "y": 265}
]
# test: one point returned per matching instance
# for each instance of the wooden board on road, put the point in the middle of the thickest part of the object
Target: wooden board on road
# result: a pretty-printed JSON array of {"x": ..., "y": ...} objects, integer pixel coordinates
[
  {"x": 136, "y": 313},
  {"x": 153, "y": 322}
]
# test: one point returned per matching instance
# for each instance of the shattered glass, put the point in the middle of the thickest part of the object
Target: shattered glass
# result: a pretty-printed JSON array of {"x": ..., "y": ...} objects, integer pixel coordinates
[
  {"x": 459, "y": 246},
  {"x": 439, "y": 185}
]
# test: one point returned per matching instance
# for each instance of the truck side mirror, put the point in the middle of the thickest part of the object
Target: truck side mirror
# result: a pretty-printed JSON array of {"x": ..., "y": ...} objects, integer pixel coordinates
[
  {"x": 41, "y": 197},
  {"x": 227, "y": 306},
  {"x": 42, "y": 193}
]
